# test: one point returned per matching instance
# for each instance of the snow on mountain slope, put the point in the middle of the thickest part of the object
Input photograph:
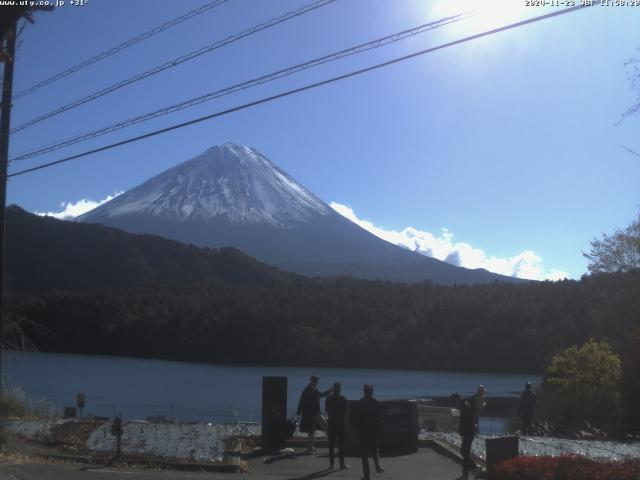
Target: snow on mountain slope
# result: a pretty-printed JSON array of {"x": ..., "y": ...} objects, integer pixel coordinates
[{"x": 232, "y": 181}]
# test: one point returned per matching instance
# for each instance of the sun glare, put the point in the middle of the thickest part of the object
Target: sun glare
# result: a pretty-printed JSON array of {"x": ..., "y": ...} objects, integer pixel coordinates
[{"x": 484, "y": 14}]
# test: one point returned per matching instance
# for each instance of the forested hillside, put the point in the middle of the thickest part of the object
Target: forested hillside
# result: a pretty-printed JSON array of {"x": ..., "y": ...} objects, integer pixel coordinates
[
  {"x": 342, "y": 322},
  {"x": 43, "y": 253}
]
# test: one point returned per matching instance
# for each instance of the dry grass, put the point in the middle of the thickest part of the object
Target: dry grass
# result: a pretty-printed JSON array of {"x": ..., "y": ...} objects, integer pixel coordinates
[
  {"x": 13, "y": 458},
  {"x": 12, "y": 406}
]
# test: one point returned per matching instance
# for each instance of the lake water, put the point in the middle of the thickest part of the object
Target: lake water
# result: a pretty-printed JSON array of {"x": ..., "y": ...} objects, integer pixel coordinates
[{"x": 139, "y": 388}]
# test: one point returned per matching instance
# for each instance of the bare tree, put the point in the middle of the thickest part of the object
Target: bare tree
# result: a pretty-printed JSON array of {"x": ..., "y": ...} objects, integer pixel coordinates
[
  {"x": 19, "y": 333},
  {"x": 618, "y": 252},
  {"x": 633, "y": 74}
]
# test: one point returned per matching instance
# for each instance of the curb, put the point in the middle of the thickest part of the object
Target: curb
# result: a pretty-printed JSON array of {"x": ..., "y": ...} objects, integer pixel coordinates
[
  {"x": 100, "y": 461},
  {"x": 443, "y": 448},
  {"x": 52, "y": 456},
  {"x": 448, "y": 450}
]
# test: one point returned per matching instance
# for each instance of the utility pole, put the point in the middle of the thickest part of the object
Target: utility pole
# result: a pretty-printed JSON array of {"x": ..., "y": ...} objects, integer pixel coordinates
[{"x": 5, "y": 119}]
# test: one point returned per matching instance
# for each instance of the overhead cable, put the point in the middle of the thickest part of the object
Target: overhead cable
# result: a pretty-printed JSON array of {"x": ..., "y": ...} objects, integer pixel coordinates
[
  {"x": 302, "y": 89},
  {"x": 175, "y": 62},
  {"x": 242, "y": 86},
  {"x": 118, "y": 48}
]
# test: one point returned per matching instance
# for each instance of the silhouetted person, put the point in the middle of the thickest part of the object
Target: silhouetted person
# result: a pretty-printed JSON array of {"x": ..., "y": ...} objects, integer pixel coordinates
[
  {"x": 309, "y": 409},
  {"x": 477, "y": 404},
  {"x": 336, "y": 406},
  {"x": 526, "y": 408},
  {"x": 467, "y": 431},
  {"x": 369, "y": 423}
]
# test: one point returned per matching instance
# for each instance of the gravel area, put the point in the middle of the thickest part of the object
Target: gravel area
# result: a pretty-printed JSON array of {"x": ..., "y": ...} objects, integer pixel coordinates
[
  {"x": 551, "y": 446},
  {"x": 37, "y": 430},
  {"x": 203, "y": 442}
]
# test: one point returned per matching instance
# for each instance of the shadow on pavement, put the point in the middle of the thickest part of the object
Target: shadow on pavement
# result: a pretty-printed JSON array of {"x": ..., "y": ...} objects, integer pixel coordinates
[
  {"x": 95, "y": 466},
  {"x": 286, "y": 456},
  {"x": 319, "y": 474}
]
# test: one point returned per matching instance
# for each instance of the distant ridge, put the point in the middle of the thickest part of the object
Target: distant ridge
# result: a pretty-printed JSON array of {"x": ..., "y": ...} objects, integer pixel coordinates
[{"x": 44, "y": 254}]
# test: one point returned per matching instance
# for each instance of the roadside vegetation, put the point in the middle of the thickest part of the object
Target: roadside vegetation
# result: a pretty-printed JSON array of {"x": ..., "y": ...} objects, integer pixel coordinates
[
  {"x": 581, "y": 391},
  {"x": 15, "y": 402},
  {"x": 13, "y": 405},
  {"x": 567, "y": 467}
]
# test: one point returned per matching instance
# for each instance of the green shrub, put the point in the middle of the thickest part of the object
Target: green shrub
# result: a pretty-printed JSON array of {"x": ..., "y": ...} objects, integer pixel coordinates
[{"x": 582, "y": 384}]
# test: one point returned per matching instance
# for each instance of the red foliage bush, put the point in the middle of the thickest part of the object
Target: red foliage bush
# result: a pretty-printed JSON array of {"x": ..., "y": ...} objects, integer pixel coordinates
[{"x": 567, "y": 467}]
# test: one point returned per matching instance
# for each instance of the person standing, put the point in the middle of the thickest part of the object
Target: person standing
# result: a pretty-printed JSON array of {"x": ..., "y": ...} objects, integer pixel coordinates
[
  {"x": 336, "y": 406},
  {"x": 467, "y": 430},
  {"x": 309, "y": 410},
  {"x": 477, "y": 403},
  {"x": 526, "y": 407},
  {"x": 368, "y": 422}
]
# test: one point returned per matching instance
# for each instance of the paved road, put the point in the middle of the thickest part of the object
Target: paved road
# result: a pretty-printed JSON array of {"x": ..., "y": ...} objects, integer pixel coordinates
[{"x": 424, "y": 464}]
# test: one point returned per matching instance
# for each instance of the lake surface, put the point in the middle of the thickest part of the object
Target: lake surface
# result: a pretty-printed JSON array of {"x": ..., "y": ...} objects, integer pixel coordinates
[{"x": 139, "y": 388}]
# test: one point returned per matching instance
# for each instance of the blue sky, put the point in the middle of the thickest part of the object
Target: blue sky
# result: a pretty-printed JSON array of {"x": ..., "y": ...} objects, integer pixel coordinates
[{"x": 504, "y": 152}]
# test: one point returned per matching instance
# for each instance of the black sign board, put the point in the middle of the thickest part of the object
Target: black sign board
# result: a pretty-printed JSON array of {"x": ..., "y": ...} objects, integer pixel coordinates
[
  {"x": 69, "y": 412},
  {"x": 274, "y": 413}
]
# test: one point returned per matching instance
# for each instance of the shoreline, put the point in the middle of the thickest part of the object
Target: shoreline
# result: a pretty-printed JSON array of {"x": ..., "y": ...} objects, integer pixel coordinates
[{"x": 269, "y": 365}]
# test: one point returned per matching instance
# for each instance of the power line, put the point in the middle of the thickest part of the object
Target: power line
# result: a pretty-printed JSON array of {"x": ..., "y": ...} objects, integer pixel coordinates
[
  {"x": 632, "y": 152},
  {"x": 122, "y": 46},
  {"x": 176, "y": 61},
  {"x": 244, "y": 85},
  {"x": 304, "y": 88}
]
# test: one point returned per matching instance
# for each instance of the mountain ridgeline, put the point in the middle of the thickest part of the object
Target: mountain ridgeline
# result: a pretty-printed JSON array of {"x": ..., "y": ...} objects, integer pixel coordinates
[
  {"x": 43, "y": 254},
  {"x": 233, "y": 196}
]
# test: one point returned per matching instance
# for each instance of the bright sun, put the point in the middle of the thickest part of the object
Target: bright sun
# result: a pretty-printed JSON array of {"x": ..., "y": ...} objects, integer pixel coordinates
[{"x": 485, "y": 14}]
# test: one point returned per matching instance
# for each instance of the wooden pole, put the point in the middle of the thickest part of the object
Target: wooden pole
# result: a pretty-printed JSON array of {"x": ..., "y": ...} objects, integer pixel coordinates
[{"x": 5, "y": 120}]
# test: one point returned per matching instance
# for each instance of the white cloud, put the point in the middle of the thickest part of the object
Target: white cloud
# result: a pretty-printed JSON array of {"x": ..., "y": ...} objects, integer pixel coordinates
[
  {"x": 71, "y": 210},
  {"x": 526, "y": 264}
]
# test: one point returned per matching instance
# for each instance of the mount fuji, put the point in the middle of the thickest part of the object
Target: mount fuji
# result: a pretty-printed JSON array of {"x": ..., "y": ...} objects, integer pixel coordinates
[{"x": 232, "y": 195}]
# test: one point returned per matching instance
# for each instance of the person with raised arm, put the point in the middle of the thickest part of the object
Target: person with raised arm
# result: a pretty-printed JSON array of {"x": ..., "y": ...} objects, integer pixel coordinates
[{"x": 309, "y": 410}]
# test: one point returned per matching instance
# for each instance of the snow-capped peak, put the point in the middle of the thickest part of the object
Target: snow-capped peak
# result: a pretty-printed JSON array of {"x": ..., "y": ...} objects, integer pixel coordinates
[{"x": 233, "y": 181}]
